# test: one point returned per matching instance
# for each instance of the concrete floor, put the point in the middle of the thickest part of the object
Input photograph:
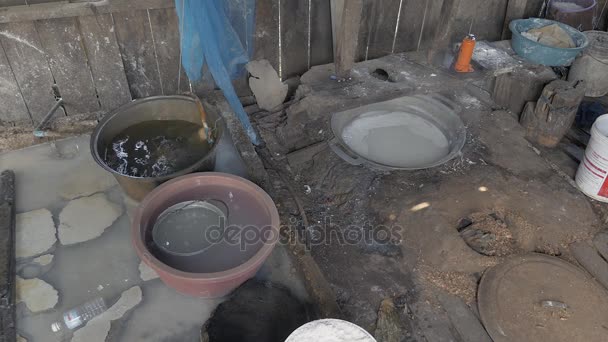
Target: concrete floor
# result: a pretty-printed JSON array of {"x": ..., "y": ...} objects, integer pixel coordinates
[{"x": 50, "y": 176}]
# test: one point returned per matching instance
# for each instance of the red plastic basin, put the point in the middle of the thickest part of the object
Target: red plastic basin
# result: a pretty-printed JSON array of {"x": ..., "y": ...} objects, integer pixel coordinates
[{"x": 226, "y": 265}]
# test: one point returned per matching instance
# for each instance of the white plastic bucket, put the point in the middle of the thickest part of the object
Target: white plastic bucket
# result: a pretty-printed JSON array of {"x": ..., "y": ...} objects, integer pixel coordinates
[
  {"x": 592, "y": 173},
  {"x": 330, "y": 330}
]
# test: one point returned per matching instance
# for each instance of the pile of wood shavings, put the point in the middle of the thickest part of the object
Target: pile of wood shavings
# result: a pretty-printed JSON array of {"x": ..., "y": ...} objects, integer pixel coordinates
[{"x": 459, "y": 284}]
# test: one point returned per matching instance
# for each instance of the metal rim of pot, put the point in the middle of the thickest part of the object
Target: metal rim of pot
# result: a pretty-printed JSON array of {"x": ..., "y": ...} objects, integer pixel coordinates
[
  {"x": 108, "y": 117},
  {"x": 342, "y": 149},
  {"x": 261, "y": 255},
  {"x": 207, "y": 204}
]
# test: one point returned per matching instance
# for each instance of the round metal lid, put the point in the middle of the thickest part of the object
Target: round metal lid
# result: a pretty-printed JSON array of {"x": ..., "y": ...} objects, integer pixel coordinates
[
  {"x": 536, "y": 297},
  {"x": 182, "y": 229}
]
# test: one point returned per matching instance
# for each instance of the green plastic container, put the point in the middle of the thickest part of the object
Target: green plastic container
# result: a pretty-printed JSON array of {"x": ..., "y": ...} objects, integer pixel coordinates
[{"x": 544, "y": 54}]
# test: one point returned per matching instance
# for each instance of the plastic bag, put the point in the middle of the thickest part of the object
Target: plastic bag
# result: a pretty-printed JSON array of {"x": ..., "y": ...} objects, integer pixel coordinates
[{"x": 220, "y": 33}]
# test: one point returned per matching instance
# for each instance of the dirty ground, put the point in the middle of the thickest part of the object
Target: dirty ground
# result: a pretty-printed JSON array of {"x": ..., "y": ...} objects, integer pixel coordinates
[
  {"x": 403, "y": 252},
  {"x": 416, "y": 253}
]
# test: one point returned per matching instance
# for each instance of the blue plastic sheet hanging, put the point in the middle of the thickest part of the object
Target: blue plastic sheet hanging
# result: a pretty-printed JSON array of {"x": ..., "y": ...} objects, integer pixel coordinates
[{"x": 220, "y": 33}]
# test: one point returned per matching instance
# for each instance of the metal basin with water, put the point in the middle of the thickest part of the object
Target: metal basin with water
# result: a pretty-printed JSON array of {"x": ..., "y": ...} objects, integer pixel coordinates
[
  {"x": 407, "y": 133},
  {"x": 153, "y": 108}
]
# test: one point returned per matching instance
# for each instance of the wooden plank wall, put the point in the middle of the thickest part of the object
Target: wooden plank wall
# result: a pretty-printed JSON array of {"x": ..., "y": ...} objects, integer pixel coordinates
[
  {"x": 124, "y": 52},
  {"x": 293, "y": 35},
  {"x": 98, "y": 62},
  {"x": 393, "y": 26},
  {"x": 103, "y": 54}
]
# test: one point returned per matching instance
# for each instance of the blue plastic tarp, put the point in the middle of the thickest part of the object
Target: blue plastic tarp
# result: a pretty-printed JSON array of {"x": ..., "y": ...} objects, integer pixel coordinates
[{"x": 219, "y": 33}]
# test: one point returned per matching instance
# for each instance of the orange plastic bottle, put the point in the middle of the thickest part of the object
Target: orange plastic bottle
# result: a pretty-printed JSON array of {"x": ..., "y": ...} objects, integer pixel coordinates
[{"x": 465, "y": 55}]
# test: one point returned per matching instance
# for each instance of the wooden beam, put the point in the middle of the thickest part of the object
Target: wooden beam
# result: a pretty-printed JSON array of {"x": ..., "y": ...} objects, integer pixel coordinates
[
  {"x": 65, "y": 9},
  {"x": 348, "y": 34},
  {"x": 516, "y": 9},
  {"x": 7, "y": 256},
  {"x": 441, "y": 41}
]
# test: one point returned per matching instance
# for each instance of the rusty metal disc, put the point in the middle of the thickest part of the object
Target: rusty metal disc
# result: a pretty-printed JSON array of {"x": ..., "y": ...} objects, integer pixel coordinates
[{"x": 536, "y": 297}]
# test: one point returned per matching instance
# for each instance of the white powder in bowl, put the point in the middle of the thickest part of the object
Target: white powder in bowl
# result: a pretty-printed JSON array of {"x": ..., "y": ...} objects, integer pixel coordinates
[
  {"x": 330, "y": 330},
  {"x": 567, "y": 6}
]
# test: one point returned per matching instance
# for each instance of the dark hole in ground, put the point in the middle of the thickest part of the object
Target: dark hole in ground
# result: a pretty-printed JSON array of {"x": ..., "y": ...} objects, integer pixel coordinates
[
  {"x": 382, "y": 75},
  {"x": 487, "y": 233},
  {"x": 257, "y": 311}
]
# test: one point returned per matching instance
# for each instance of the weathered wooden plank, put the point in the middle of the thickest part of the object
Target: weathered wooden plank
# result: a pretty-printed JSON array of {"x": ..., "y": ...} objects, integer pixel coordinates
[
  {"x": 533, "y": 8},
  {"x": 365, "y": 29},
  {"x": 66, "y": 9},
  {"x": 432, "y": 23},
  {"x": 35, "y": 2},
  {"x": 346, "y": 41},
  {"x": 7, "y": 3},
  {"x": 463, "y": 320},
  {"x": 13, "y": 107},
  {"x": 487, "y": 18},
  {"x": 63, "y": 44},
  {"x": 589, "y": 258},
  {"x": 138, "y": 56},
  {"x": 600, "y": 241},
  {"x": 30, "y": 67},
  {"x": 105, "y": 60},
  {"x": 165, "y": 30},
  {"x": 321, "y": 42},
  {"x": 547, "y": 120},
  {"x": 267, "y": 32},
  {"x": 336, "y": 7},
  {"x": 516, "y": 9},
  {"x": 7, "y": 256},
  {"x": 383, "y": 30},
  {"x": 442, "y": 37},
  {"x": 411, "y": 20},
  {"x": 602, "y": 9},
  {"x": 294, "y": 38}
]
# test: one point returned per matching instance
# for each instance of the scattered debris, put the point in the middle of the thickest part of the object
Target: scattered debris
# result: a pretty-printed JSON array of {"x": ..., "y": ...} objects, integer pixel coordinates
[
  {"x": 98, "y": 328},
  {"x": 146, "y": 272},
  {"x": 487, "y": 234},
  {"x": 266, "y": 85},
  {"x": 493, "y": 59},
  {"x": 458, "y": 284},
  {"x": 35, "y": 233},
  {"x": 86, "y": 218},
  {"x": 388, "y": 325},
  {"x": 37, "y": 294}
]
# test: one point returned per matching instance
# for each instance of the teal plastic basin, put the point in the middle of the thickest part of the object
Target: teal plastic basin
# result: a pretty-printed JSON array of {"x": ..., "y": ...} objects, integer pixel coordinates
[{"x": 544, "y": 54}]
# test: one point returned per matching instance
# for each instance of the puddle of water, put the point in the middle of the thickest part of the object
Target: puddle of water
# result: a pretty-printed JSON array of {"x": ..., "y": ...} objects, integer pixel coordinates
[{"x": 108, "y": 265}]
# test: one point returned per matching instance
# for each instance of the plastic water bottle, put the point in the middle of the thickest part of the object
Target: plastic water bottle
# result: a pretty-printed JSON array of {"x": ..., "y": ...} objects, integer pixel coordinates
[{"x": 81, "y": 314}]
